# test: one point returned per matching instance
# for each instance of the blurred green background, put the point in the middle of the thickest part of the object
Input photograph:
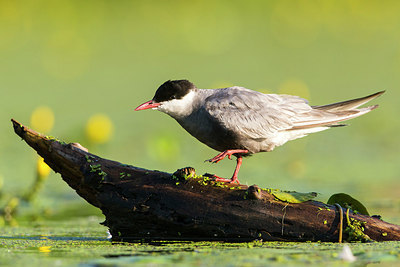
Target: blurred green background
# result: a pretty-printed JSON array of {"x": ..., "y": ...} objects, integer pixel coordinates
[{"x": 82, "y": 58}]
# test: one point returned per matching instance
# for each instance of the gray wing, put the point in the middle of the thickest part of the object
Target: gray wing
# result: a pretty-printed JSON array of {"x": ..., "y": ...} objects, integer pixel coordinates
[{"x": 254, "y": 114}]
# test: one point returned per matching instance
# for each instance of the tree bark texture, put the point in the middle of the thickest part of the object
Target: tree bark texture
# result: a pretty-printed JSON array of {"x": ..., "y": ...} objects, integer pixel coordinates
[{"x": 141, "y": 204}]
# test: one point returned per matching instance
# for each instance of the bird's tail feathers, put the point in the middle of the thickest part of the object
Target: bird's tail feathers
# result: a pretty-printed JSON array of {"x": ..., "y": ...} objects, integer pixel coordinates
[
  {"x": 349, "y": 104},
  {"x": 332, "y": 114},
  {"x": 332, "y": 119}
]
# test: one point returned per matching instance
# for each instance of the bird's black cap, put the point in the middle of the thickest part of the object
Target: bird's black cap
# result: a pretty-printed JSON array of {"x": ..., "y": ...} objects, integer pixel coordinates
[{"x": 173, "y": 90}]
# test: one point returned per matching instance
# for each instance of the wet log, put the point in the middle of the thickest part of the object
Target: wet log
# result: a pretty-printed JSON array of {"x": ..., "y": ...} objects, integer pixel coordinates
[{"x": 141, "y": 204}]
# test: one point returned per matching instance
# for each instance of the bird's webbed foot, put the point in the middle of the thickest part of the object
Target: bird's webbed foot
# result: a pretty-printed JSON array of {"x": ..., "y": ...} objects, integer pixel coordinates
[{"x": 223, "y": 180}]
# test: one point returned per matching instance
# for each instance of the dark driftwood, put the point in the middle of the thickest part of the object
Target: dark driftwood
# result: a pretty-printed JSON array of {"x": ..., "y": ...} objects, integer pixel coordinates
[{"x": 141, "y": 204}]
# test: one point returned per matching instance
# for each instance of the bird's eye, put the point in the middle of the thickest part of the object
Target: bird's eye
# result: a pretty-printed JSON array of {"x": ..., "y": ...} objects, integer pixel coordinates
[{"x": 173, "y": 97}]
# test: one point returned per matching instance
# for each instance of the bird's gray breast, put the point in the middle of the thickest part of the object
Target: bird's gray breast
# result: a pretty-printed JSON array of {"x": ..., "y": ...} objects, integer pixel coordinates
[{"x": 209, "y": 131}]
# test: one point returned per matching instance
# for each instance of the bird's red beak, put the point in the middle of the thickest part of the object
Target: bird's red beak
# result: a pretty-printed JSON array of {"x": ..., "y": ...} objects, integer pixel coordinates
[{"x": 147, "y": 105}]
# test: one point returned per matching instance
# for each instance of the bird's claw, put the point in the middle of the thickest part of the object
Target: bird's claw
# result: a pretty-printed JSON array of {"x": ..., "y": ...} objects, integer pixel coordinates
[
  {"x": 220, "y": 157},
  {"x": 216, "y": 159}
]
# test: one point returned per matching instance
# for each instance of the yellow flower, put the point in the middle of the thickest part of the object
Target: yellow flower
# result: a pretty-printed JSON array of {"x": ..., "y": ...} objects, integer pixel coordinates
[
  {"x": 99, "y": 128},
  {"x": 13, "y": 203},
  {"x": 42, "y": 119},
  {"x": 43, "y": 169},
  {"x": 45, "y": 249}
]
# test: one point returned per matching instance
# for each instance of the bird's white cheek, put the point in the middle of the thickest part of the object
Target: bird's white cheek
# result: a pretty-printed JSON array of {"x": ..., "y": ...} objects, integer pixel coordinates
[{"x": 178, "y": 108}]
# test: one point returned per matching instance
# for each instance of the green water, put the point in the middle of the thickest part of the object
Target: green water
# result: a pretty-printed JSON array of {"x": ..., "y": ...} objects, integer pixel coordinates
[{"x": 84, "y": 242}]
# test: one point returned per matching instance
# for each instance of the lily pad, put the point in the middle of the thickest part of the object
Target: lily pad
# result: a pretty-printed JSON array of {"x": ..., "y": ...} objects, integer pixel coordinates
[
  {"x": 292, "y": 196},
  {"x": 347, "y": 201}
]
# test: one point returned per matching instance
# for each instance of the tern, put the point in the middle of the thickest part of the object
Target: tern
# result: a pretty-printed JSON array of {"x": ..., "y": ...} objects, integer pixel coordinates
[{"x": 239, "y": 121}]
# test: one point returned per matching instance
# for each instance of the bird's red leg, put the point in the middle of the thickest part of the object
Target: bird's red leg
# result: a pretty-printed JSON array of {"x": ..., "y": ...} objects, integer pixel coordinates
[
  {"x": 239, "y": 159},
  {"x": 234, "y": 178}
]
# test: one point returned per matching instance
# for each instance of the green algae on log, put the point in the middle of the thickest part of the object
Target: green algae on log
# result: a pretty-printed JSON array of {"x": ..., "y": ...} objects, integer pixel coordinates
[{"x": 141, "y": 204}]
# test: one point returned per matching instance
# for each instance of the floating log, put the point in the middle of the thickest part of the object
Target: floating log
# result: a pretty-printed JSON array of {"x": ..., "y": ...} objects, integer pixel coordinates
[{"x": 141, "y": 204}]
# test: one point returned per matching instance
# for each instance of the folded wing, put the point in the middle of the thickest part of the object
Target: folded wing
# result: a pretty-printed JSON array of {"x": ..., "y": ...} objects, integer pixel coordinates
[{"x": 261, "y": 116}]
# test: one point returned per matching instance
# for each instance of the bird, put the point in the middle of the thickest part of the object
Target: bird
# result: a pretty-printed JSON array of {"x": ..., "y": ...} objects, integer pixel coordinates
[{"x": 240, "y": 122}]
